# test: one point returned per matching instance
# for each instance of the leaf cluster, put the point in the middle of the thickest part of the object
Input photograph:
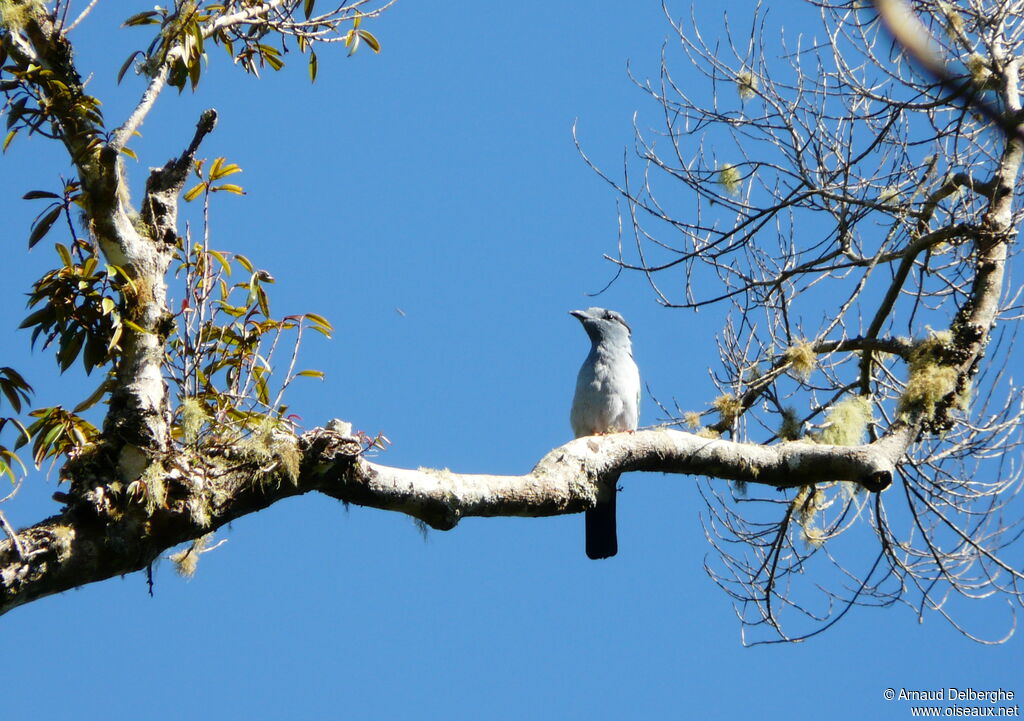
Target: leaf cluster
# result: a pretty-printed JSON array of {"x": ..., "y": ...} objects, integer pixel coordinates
[
  {"x": 57, "y": 432},
  {"x": 220, "y": 346},
  {"x": 220, "y": 355},
  {"x": 184, "y": 30},
  {"x": 17, "y": 391},
  {"x": 78, "y": 304},
  {"x": 41, "y": 100}
]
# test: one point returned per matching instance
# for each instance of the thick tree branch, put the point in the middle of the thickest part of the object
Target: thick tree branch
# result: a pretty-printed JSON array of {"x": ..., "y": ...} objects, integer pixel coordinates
[
  {"x": 115, "y": 529},
  {"x": 138, "y": 422},
  {"x": 124, "y": 133}
]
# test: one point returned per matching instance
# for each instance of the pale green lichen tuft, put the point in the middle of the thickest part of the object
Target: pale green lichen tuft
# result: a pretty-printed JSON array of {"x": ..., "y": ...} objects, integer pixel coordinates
[
  {"x": 692, "y": 419},
  {"x": 728, "y": 407},
  {"x": 198, "y": 509},
  {"x": 847, "y": 421},
  {"x": 808, "y": 502},
  {"x": 931, "y": 379},
  {"x": 954, "y": 20},
  {"x": 804, "y": 504},
  {"x": 981, "y": 74},
  {"x": 15, "y": 13},
  {"x": 729, "y": 178},
  {"x": 812, "y": 536},
  {"x": 888, "y": 195},
  {"x": 156, "y": 490},
  {"x": 186, "y": 561},
  {"x": 801, "y": 359},
  {"x": 287, "y": 451},
  {"x": 275, "y": 450},
  {"x": 193, "y": 418},
  {"x": 746, "y": 84}
]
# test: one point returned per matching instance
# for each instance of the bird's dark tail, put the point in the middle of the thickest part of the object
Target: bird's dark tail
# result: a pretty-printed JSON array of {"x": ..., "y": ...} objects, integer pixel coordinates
[{"x": 602, "y": 540}]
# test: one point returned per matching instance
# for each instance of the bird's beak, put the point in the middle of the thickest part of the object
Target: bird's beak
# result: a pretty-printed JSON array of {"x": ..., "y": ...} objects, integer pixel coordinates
[{"x": 578, "y": 314}]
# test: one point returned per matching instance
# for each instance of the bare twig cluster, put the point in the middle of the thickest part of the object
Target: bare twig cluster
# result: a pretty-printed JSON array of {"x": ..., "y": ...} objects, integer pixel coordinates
[{"x": 857, "y": 217}]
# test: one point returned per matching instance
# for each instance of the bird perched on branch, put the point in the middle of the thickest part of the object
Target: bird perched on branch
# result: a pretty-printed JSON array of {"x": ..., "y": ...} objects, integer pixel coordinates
[{"x": 607, "y": 400}]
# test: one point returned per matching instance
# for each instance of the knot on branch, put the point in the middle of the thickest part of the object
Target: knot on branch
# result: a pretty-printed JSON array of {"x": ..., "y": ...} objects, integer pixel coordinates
[
  {"x": 333, "y": 447},
  {"x": 160, "y": 208},
  {"x": 877, "y": 481}
]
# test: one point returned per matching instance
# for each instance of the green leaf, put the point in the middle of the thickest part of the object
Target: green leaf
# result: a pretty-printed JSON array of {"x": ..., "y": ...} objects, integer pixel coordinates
[
  {"x": 128, "y": 64},
  {"x": 312, "y": 67},
  {"x": 43, "y": 316},
  {"x": 14, "y": 388},
  {"x": 320, "y": 323},
  {"x": 64, "y": 253},
  {"x": 229, "y": 169},
  {"x": 146, "y": 18},
  {"x": 262, "y": 390},
  {"x": 43, "y": 225},
  {"x": 370, "y": 40},
  {"x": 352, "y": 41},
  {"x": 222, "y": 260},
  {"x": 69, "y": 349},
  {"x": 115, "y": 337},
  {"x": 307, "y": 8},
  {"x": 95, "y": 353},
  {"x": 195, "y": 192},
  {"x": 274, "y": 62},
  {"x": 197, "y": 36},
  {"x": 94, "y": 397},
  {"x": 136, "y": 327},
  {"x": 12, "y": 397},
  {"x": 25, "y": 435},
  {"x": 117, "y": 271},
  {"x": 15, "y": 378},
  {"x": 243, "y": 261},
  {"x": 44, "y": 445},
  {"x": 311, "y": 374},
  {"x": 15, "y": 112},
  {"x": 219, "y": 170},
  {"x": 261, "y": 296},
  {"x": 35, "y": 194},
  {"x": 229, "y": 187},
  {"x": 8, "y": 139},
  {"x": 6, "y": 457}
]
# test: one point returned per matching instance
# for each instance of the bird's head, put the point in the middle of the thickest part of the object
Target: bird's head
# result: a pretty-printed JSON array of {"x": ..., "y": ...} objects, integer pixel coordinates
[{"x": 603, "y": 325}]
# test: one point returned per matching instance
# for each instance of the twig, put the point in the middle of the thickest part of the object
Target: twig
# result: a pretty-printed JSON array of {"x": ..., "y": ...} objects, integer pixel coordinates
[
  {"x": 80, "y": 17},
  {"x": 152, "y": 92},
  {"x": 914, "y": 38},
  {"x": 18, "y": 548}
]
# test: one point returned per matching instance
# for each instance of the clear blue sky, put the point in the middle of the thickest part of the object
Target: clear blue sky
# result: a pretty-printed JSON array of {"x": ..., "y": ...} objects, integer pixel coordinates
[{"x": 440, "y": 178}]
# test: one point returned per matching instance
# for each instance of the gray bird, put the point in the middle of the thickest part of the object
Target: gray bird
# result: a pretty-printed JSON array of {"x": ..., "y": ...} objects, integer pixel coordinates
[{"x": 607, "y": 400}]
